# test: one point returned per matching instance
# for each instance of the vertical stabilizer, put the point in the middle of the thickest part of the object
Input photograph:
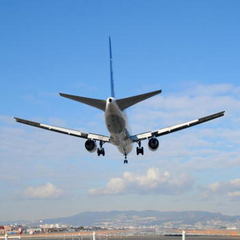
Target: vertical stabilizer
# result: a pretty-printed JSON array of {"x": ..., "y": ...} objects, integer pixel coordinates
[{"x": 111, "y": 68}]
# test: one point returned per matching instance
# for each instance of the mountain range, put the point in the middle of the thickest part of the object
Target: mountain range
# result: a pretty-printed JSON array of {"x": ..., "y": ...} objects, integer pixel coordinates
[{"x": 146, "y": 218}]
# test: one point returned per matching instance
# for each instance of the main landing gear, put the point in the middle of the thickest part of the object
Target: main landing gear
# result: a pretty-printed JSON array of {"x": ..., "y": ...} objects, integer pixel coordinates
[
  {"x": 139, "y": 149},
  {"x": 100, "y": 150}
]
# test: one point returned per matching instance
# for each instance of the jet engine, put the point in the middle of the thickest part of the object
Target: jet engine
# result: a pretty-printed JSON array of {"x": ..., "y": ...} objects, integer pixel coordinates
[
  {"x": 90, "y": 145},
  {"x": 153, "y": 144}
]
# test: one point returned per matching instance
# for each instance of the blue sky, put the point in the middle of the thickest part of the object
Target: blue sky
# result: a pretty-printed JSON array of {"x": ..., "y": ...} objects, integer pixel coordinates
[{"x": 189, "y": 49}]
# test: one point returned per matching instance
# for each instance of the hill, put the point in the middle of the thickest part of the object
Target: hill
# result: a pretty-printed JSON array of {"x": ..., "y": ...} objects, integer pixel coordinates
[{"x": 147, "y": 218}]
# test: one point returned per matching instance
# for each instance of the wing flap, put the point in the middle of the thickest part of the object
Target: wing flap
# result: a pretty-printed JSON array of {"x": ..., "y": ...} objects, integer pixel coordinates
[
  {"x": 67, "y": 131},
  {"x": 167, "y": 130}
]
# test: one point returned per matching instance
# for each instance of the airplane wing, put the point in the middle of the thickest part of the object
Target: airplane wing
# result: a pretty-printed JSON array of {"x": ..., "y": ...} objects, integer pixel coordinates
[
  {"x": 70, "y": 132},
  {"x": 167, "y": 130}
]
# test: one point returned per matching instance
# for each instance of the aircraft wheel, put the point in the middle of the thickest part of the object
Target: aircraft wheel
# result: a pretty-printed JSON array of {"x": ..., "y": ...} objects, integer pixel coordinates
[
  {"x": 139, "y": 150},
  {"x": 98, "y": 152}
]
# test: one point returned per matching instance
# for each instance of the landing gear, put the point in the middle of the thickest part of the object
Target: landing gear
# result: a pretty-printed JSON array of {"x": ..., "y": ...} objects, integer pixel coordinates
[
  {"x": 125, "y": 160},
  {"x": 100, "y": 150},
  {"x": 139, "y": 149}
]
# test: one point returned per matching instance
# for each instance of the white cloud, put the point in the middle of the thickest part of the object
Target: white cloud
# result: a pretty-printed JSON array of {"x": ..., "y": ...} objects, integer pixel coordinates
[
  {"x": 168, "y": 109},
  {"x": 46, "y": 191},
  {"x": 214, "y": 89},
  {"x": 229, "y": 189},
  {"x": 234, "y": 195},
  {"x": 153, "y": 182},
  {"x": 209, "y": 145},
  {"x": 208, "y": 148}
]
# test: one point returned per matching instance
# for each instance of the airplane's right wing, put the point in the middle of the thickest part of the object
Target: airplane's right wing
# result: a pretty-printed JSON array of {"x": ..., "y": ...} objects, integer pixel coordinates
[
  {"x": 71, "y": 132},
  {"x": 167, "y": 130}
]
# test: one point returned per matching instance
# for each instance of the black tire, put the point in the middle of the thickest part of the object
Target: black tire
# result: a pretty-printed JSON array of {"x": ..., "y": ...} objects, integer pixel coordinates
[
  {"x": 98, "y": 152},
  {"x": 142, "y": 150},
  {"x": 137, "y": 150}
]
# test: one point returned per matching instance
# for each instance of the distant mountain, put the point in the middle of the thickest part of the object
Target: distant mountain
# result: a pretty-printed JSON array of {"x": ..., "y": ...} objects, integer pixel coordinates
[
  {"x": 146, "y": 218},
  {"x": 16, "y": 222}
]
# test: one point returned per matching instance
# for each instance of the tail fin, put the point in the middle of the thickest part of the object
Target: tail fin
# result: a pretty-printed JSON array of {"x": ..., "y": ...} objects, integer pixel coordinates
[
  {"x": 128, "y": 102},
  {"x": 111, "y": 68}
]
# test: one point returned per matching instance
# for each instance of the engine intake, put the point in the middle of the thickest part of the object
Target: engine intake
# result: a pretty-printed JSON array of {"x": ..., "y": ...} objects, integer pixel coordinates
[
  {"x": 90, "y": 145},
  {"x": 153, "y": 144}
]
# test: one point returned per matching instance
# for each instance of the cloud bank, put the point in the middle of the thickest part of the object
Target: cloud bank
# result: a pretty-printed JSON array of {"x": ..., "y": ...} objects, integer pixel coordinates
[
  {"x": 45, "y": 191},
  {"x": 204, "y": 151},
  {"x": 153, "y": 182},
  {"x": 230, "y": 189}
]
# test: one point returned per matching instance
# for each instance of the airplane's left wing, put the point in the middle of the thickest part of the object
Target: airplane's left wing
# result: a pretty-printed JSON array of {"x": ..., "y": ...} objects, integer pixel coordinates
[
  {"x": 167, "y": 130},
  {"x": 70, "y": 132}
]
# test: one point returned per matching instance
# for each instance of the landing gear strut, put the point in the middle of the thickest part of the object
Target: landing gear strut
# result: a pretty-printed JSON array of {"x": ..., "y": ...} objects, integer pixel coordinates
[
  {"x": 125, "y": 160},
  {"x": 100, "y": 150},
  {"x": 139, "y": 149}
]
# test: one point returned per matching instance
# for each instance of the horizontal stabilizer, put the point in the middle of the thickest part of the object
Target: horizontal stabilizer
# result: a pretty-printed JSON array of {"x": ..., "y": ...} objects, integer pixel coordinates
[
  {"x": 128, "y": 102},
  {"x": 97, "y": 103}
]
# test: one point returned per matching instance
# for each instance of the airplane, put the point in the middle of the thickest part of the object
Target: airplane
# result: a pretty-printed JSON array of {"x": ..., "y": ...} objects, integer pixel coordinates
[{"x": 116, "y": 122}]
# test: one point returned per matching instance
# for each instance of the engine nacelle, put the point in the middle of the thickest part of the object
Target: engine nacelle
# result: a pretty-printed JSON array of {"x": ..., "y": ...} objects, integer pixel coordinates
[
  {"x": 153, "y": 144},
  {"x": 90, "y": 145}
]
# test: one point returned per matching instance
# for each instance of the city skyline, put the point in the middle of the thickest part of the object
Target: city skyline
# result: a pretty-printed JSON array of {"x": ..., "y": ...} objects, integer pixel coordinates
[{"x": 188, "y": 49}]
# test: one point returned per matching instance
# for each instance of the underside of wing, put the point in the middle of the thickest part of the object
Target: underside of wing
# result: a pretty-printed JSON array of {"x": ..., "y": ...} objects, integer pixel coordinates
[
  {"x": 167, "y": 130},
  {"x": 71, "y": 132}
]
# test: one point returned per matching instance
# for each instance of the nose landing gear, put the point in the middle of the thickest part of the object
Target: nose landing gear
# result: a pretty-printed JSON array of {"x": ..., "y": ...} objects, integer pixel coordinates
[{"x": 125, "y": 160}]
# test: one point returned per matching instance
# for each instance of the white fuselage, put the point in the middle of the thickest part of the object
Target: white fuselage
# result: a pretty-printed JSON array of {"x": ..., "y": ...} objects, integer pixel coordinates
[{"x": 116, "y": 122}]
